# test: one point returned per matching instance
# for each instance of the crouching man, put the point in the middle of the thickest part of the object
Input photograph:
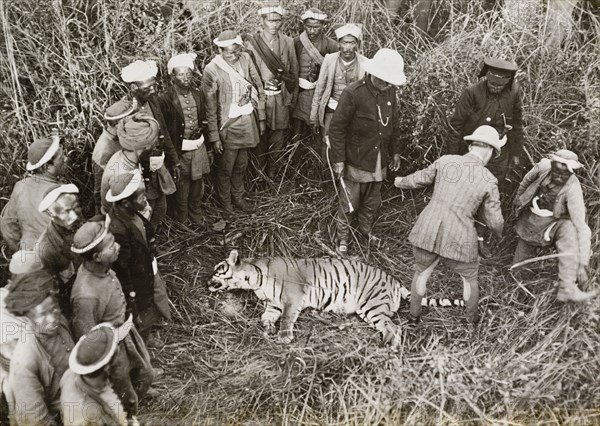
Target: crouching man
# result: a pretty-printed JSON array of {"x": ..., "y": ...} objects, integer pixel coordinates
[
  {"x": 446, "y": 227},
  {"x": 552, "y": 212}
]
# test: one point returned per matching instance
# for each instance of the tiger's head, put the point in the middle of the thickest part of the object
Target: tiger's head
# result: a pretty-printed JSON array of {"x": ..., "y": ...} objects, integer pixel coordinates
[{"x": 234, "y": 274}]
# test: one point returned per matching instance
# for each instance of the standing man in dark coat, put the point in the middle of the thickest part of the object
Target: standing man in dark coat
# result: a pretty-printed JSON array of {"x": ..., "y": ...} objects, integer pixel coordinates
[
  {"x": 364, "y": 138},
  {"x": 494, "y": 101},
  {"x": 275, "y": 58},
  {"x": 141, "y": 75},
  {"x": 183, "y": 109},
  {"x": 136, "y": 266},
  {"x": 311, "y": 47}
]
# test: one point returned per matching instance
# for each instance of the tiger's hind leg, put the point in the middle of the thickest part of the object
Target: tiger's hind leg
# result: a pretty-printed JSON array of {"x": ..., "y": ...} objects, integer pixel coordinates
[
  {"x": 383, "y": 323},
  {"x": 270, "y": 317}
]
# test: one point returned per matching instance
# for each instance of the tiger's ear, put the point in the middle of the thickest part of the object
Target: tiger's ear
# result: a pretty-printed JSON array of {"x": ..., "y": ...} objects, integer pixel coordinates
[{"x": 234, "y": 258}]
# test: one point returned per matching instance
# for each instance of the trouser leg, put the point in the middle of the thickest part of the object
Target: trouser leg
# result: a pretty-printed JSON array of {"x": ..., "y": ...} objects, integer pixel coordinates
[
  {"x": 565, "y": 240},
  {"x": 370, "y": 202},
  {"x": 238, "y": 174},
  {"x": 498, "y": 166},
  {"x": 118, "y": 373},
  {"x": 224, "y": 176},
  {"x": 275, "y": 150},
  {"x": 471, "y": 298},
  {"x": 261, "y": 151},
  {"x": 196, "y": 193},
  {"x": 325, "y": 134},
  {"x": 523, "y": 251},
  {"x": 345, "y": 216},
  {"x": 468, "y": 271},
  {"x": 159, "y": 210},
  {"x": 181, "y": 196},
  {"x": 425, "y": 263}
]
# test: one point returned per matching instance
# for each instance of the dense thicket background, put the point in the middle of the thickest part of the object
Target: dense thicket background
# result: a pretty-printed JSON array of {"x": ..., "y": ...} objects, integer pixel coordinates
[{"x": 531, "y": 360}]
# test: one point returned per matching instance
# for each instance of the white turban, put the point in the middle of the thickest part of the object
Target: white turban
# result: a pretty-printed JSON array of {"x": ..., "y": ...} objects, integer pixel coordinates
[
  {"x": 314, "y": 14},
  {"x": 53, "y": 194},
  {"x": 228, "y": 38},
  {"x": 181, "y": 60},
  {"x": 348, "y": 29},
  {"x": 139, "y": 71},
  {"x": 568, "y": 158},
  {"x": 271, "y": 9}
]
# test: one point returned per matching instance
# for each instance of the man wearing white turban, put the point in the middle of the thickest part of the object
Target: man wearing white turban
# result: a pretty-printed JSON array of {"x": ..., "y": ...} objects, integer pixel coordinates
[
  {"x": 339, "y": 69},
  {"x": 311, "y": 47},
  {"x": 277, "y": 64},
  {"x": 141, "y": 76},
  {"x": 235, "y": 112},
  {"x": 552, "y": 212},
  {"x": 183, "y": 109}
]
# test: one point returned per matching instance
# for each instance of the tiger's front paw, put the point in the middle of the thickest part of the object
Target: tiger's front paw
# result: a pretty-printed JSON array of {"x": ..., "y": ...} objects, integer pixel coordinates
[
  {"x": 269, "y": 328},
  {"x": 391, "y": 337},
  {"x": 285, "y": 337}
]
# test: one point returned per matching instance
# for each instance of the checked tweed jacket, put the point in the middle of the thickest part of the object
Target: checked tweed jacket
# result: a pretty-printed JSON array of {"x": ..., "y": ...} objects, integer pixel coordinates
[{"x": 447, "y": 226}]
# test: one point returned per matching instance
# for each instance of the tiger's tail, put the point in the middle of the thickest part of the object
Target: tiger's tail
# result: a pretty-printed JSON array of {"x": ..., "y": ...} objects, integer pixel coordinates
[{"x": 432, "y": 301}]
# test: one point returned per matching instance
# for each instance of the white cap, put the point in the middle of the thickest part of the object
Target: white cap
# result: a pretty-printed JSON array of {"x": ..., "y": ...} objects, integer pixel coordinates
[
  {"x": 348, "y": 29},
  {"x": 228, "y": 38},
  {"x": 139, "y": 71},
  {"x": 568, "y": 158},
  {"x": 181, "y": 60},
  {"x": 314, "y": 14},
  {"x": 52, "y": 195},
  {"x": 123, "y": 186},
  {"x": 271, "y": 9}
]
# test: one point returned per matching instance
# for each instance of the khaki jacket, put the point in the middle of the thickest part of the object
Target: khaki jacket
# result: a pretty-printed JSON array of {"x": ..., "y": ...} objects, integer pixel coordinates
[
  {"x": 569, "y": 203},
  {"x": 34, "y": 396},
  {"x": 325, "y": 86}
]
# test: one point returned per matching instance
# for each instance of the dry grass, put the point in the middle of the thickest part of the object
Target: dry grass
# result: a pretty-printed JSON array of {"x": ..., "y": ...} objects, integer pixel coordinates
[{"x": 531, "y": 360}]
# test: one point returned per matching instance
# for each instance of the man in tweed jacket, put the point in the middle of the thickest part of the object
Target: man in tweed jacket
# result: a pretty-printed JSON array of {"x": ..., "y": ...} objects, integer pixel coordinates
[
  {"x": 552, "y": 209},
  {"x": 446, "y": 227}
]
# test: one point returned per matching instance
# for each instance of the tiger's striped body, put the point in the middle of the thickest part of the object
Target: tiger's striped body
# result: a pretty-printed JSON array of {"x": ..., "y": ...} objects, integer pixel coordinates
[{"x": 337, "y": 285}]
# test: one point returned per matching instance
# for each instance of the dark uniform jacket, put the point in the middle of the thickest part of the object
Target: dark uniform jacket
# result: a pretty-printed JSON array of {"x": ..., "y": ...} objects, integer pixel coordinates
[
  {"x": 174, "y": 118},
  {"x": 475, "y": 106},
  {"x": 134, "y": 264},
  {"x": 365, "y": 123},
  {"x": 164, "y": 139}
]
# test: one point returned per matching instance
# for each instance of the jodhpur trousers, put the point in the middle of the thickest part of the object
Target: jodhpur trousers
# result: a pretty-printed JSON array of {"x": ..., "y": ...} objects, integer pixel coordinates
[{"x": 425, "y": 263}]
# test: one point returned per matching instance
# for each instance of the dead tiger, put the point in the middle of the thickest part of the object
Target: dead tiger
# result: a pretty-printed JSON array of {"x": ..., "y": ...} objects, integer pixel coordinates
[{"x": 337, "y": 285}]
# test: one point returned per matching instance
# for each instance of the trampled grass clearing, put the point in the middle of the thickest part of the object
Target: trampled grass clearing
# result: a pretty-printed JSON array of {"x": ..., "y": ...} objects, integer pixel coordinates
[{"x": 531, "y": 361}]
